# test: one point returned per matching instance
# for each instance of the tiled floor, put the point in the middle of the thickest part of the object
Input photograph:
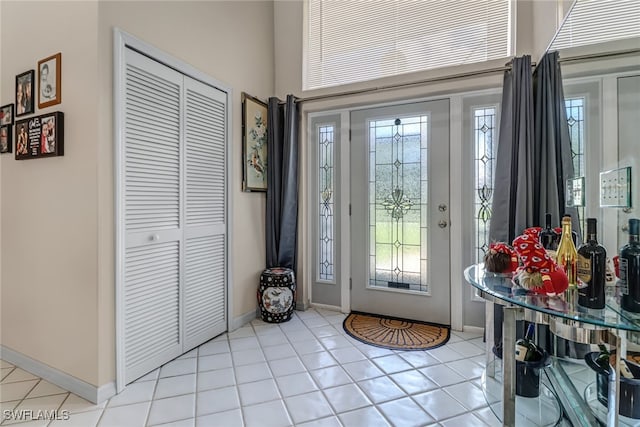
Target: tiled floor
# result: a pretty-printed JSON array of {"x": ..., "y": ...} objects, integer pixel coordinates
[{"x": 306, "y": 372}]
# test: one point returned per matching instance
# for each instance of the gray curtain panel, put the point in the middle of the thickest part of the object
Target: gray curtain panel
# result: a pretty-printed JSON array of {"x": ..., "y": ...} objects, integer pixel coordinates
[
  {"x": 512, "y": 209},
  {"x": 282, "y": 183},
  {"x": 553, "y": 159}
]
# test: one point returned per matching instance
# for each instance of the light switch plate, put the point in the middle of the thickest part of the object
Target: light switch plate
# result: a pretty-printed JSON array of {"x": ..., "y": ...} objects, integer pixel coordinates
[{"x": 615, "y": 188}]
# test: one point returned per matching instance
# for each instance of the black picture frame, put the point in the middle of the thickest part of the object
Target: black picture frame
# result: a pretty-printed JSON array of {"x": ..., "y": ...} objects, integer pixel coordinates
[
  {"x": 6, "y": 115},
  {"x": 254, "y": 144},
  {"x": 40, "y": 136},
  {"x": 25, "y": 83},
  {"x": 6, "y": 139}
]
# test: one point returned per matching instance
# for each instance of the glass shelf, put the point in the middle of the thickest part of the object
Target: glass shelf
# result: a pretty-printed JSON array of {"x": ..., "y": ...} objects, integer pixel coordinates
[
  {"x": 501, "y": 288},
  {"x": 543, "y": 410}
]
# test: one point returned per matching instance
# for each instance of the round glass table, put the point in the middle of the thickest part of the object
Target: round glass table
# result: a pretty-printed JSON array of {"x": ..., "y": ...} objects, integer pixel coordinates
[{"x": 566, "y": 319}]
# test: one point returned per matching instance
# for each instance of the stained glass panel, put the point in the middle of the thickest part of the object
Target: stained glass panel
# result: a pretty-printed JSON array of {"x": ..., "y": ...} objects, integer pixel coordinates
[
  {"x": 398, "y": 203},
  {"x": 326, "y": 206},
  {"x": 484, "y": 122},
  {"x": 575, "y": 120}
]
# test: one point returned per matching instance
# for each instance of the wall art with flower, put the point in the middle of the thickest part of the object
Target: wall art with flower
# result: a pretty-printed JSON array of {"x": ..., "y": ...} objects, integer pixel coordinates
[{"x": 254, "y": 144}]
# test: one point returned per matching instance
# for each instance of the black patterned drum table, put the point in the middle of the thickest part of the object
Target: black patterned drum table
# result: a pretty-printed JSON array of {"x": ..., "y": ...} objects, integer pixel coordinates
[{"x": 277, "y": 294}]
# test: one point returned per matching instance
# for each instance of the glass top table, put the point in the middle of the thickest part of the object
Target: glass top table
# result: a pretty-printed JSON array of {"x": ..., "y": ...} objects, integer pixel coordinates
[{"x": 500, "y": 288}]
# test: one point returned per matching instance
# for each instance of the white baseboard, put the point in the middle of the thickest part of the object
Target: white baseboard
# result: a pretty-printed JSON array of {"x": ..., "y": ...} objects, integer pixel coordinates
[
  {"x": 327, "y": 307},
  {"x": 239, "y": 321},
  {"x": 68, "y": 382},
  {"x": 473, "y": 329}
]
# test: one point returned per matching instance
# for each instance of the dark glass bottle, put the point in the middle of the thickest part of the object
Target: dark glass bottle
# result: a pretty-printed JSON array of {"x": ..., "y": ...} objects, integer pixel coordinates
[
  {"x": 526, "y": 350},
  {"x": 630, "y": 269},
  {"x": 548, "y": 237},
  {"x": 603, "y": 357},
  {"x": 592, "y": 268}
]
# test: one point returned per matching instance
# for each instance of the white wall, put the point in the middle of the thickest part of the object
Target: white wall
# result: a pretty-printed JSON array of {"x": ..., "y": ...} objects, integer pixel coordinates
[{"x": 58, "y": 287}]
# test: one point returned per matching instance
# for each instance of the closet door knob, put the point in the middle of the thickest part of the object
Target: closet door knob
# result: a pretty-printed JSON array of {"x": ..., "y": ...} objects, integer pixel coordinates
[{"x": 155, "y": 238}]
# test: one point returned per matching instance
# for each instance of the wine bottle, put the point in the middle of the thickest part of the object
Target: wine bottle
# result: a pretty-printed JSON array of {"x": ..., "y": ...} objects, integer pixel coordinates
[
  {"x": 630, "y": 269},
  {"x": 526, "y": 350},
  {"x": 592, "y": 269},
  {"x": 567, "y": 255},
  {"x": 548, "y": 236},
  {"x": 603, "y": 358}
]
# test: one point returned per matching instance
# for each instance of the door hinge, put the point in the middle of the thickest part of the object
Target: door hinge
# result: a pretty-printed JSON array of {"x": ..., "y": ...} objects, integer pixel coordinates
[
  {"x": 350, "y": 283},
  {"x": 349, "y": 209},
  {"x": 349, "y": 135}
]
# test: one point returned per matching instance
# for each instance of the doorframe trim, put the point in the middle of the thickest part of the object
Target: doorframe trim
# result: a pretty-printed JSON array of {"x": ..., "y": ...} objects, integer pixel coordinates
[{"x": 121, "y": 41}]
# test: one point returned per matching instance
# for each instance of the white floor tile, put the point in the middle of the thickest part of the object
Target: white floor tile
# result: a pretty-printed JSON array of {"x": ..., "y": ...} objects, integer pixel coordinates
[
  {"x": 218, "y": 400},
  {"x": 243, "y": 332},
  {"x": 467, "y": 335},
  {"x": 175, "y": 386},
  {"x": 442, "y": 375},
  {"x": 133, "y": 393},
  {"x": 405, "y": 413},
  {"x": 172, "y": 409},
  {"x": 129, "y": 415},
  {"x": 366, "y": 417},
  {"x": 465, "y": 348},
  {"x": 466, "y": 368},
  {"x": 244, "y": 343},
  {"x": 463, "y": 420},
  {"x": 307, "y": 407},
  {"x": 299, "y": 335},
  {"x": 362, "y": 370},
  {"x": 330, "y": 377},
  {"x": 45, "y": 388},
  {"x": 75, "y": 404},
  {"x": 214, "y": 361},
  {"x": 151, "y": 376},
  {"x": 413, "y": 382},
  {"x": 469, "y": 395},
  {"x": 371, "y": 351},
  {"x": 214, "y": 347},
  {"x": 17, "y": 390},
  {"x": 249, "y": 373},
  {"x": 307, "y": 346},
  {"x": 247, "y": 357},
  {"x": 281, "y": 351},
  {"x": 381, "y": 389},
  {"x": 18, "y": 375},
  {"x": 292, "y": 385},
  {"x": 315, "y": 322},
  {"x": 258, "y": 392},
  {"x": 325, "y": 331},
  {"x": 8, "y": 406},
  {"x": 321, "y": 359},
  {"x": 273, "y": 339},
  {"x": 418, "y": 359},
  {"x": 82, "y": 419},
  {"x": 283, "y": 367},
  {"x": 178, "y": 367},
  {"x": 232, "y": 418},
  {"x": 191, "y": 422},
  {"x": 216, "y": 379},
  {"x": 392, "y": 364},
  {"x": 439, "y": 404},
  {"x": 4, "y": 364},
  {"x": 346, "y": 398},
  {"x": 269, "y": 414},
  {"x": 487, "y": 415},
  {"x": 32, "y": 406},
  {"x": 189, "y": 354},
  {"x": 347, "y": 354},
  {"x": 323, "y": 422},
  {"x": 445, "y": 354},
  {"x": 4, "y": 372},
  {"x": 338, "y": 341}
]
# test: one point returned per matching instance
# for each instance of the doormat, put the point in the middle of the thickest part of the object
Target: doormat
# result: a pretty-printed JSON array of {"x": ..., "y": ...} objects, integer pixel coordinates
[{"x": 394, "y": 333}]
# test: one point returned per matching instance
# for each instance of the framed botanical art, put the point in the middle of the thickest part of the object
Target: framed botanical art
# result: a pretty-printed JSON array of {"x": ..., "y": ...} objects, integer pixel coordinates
[
  {"x": 40, "y": 136},
  {"x": 50, "y": 80},
  {"x": 254, "y": 144},
  {"x": 6, "y": 115},
  {"x": 6, "y": 136},
  {"x": 24, "y": 93}
]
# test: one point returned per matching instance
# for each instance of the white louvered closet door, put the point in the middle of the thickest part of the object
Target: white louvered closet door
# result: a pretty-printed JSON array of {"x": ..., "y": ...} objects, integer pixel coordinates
[
  {"x": 152, "y": 174},
  {"x": 205, "y": 213}
]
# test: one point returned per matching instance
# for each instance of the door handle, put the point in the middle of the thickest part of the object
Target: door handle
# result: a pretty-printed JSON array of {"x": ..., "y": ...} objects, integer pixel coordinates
[
  {"x": 154, "y": 238},
  {"x": 442, "y": 223},
  {"x": 442, "y": 207}
]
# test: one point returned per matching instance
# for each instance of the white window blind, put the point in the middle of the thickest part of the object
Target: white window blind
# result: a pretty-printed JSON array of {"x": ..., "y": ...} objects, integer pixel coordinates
[
  {"x": 349, "y": 41},
  {"x": 598, "y": 21}
]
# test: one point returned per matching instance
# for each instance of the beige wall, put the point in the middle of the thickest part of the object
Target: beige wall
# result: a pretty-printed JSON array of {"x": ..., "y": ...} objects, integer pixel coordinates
[
  {"x": 49, "y": 206},
  {"x": 57, "y": 214}
]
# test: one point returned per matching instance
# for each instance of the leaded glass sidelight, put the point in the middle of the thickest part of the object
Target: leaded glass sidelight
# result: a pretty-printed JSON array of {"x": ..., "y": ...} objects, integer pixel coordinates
[
  {"x": 325, "y": 199},
  {"x": 575, "y": 121},
  {"x": 398, "y": 203},
  {"x": 484, "y": 123}
]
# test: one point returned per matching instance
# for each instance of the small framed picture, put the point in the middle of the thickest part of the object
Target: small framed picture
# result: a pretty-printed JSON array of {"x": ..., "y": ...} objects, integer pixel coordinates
[
  {"x": 50, "y": 81},
  {"x": 40, "y": 136},
  {"x": 6, "y": 140},
  {"x": 254, "y": 144},
  {"x": 24, "y": 93},
  {"x": 6, "y": 115}
]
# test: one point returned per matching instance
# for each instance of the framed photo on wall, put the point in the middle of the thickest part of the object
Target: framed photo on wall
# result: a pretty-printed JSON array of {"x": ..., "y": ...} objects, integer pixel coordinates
[
  {"x": 40, "y": 136},
  {"x": 254, "y": 144},
  {"x": 6, "y": 139},
  {"x": 6, "y": 115},
  {"x": 50, "y": 81},
  {"x": 24, "y": 93}
]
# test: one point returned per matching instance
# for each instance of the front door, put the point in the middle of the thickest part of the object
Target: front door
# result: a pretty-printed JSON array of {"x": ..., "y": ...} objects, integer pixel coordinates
[{"x": 400, "y": 211}]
